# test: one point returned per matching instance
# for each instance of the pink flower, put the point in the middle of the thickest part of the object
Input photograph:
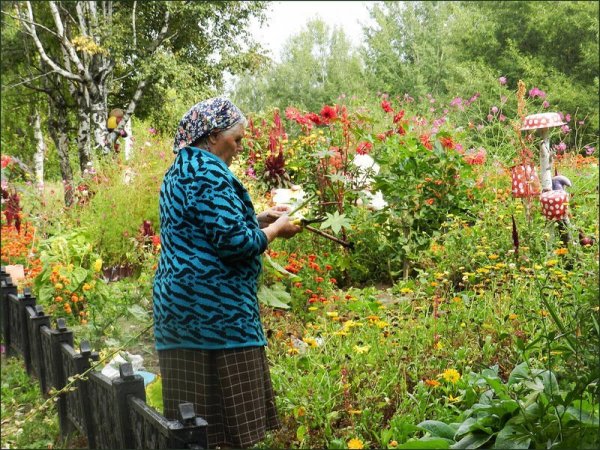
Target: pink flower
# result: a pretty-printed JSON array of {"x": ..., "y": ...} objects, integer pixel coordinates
[
  {"x": 568, "y": 118},
  {"x": 490, "y": 117},
  {"x": 546, "y": 104},
  {"x": 502, "y": 81},
  {"x": 475, "y": 158},
  {"x": 565, "y": 129},
  {"x": 152, "y": 131},
  {"x": 589, "y": 150},
  {"x": 457, "y": 101},
  {"x": 494, "y": 109},
  {"x": 536, "y": 92},
  {"x": 459, "y": 148},
  {"x": 474, "y": 98},
  {"x": 502, "y": 118},
  {"x": 561, "y": 147}
]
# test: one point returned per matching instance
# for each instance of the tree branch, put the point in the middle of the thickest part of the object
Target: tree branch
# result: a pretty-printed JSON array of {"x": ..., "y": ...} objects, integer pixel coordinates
[{"x": 31, "y": 30}]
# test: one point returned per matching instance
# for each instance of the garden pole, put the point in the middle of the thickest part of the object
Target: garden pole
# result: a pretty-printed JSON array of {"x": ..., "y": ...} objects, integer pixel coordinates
[{"x": 546, "y": 161}]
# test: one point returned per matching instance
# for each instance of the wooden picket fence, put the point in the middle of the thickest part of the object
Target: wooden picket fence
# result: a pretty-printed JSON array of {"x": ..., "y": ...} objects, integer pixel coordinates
[{"x": 111, "y": 413}]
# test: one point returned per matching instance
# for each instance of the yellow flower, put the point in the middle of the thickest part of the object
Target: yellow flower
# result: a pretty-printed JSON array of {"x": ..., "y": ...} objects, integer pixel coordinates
[
  {"x": 439, "y": 345},
  {"x": 493, "y": 256},
  {"x": 393, "y": 444},
  {"x": 87, "y": 287},
  {"x": 551, "y": 262},
  {"x": 310, "y": 341},
  {"x": 332, "y": 313},
  {"x": 97, "y": 265},
  {"x": 512, "y": 316},
  {"x": 354, "y": 412},
  {"x": 451, "y": 375},
  {"x": 561, "y": 251},
  {"x": 381, "y": 324},
  {"x": 312, "y": 308},
  {"x": 362, "y": 349},
  {"x": 355, "y": 443},
  {"x": 58, "y": 286},
  {"x": 406, "y": 291},
  {"x": 341, "y": 333},
  {"x": 452, "y": 399}
]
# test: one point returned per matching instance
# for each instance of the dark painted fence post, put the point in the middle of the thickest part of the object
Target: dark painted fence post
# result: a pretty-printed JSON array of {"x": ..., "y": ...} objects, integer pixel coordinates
[
  {"x": 127, "y": 384},
  {"x": 59, "y": 337},
  {"x": 8, "y": 289},
  {"x": 36, "y": 319},
  {"x": 26, "y": 300}
]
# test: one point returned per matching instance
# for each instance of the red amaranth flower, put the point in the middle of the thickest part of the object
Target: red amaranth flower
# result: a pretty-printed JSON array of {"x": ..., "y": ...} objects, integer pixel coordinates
[
  {"x": 398, "y": 117},
  {"x": 386, "y": 106}
]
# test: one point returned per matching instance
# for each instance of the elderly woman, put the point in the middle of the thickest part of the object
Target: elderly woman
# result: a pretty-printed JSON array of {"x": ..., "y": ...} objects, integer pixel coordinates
[{"x": 209, "y": 336}]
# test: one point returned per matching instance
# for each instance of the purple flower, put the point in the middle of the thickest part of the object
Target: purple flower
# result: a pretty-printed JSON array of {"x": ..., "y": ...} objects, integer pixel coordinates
[
  {"x": 474, "y": 98},
  {"x": 479, "y": 127},
  {"x": 250, "y": 172},
  {"x": 589, "y": 150},
  {"x": 494, "y": 109},
  {"x": 546, "y": 104},
  {"x": 152, "y": 131},
  {"x": 565, "y": 129},
  {"x": 502, "y": 81},
  {"x": 568, "y": 117},
  {"x": 503, "y": 99},
  {"x": 458, "y": 147}
]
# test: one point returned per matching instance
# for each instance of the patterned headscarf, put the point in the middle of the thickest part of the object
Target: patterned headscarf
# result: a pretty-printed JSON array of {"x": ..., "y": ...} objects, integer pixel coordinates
[{"x": 202, "y": 118}]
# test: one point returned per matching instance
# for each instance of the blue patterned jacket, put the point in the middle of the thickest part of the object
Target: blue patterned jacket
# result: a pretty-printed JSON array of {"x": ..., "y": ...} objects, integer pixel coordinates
[{"x": 205, "y": 287}]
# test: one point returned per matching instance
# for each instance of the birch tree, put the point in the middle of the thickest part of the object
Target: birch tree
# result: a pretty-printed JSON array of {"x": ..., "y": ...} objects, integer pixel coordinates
[{"x": 103, "y": 50}]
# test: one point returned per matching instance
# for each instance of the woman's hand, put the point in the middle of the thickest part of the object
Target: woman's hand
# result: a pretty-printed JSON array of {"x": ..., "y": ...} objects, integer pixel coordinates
[
  {"x": 281, "y": 227},
  {"x": 272, "y": 214}
]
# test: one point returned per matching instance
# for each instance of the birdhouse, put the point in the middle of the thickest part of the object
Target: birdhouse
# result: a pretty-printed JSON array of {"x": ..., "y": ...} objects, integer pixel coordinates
[
  {"x": 525, "y": 181},
  {"x": 555, "y": 204}
]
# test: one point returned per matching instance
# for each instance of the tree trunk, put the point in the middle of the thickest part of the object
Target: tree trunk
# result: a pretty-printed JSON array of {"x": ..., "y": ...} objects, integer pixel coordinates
[
  {"x": 58, "y": 129},
  {"x": 40, "y": 151},
  {"x": 83, "y": 131}
]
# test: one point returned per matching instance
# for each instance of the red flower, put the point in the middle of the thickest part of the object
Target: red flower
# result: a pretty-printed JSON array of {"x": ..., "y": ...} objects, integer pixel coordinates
[
  {"x": 315, "y": 118},
  {"x": 401, "y": 131},
  {"x": 156, "y": 240},
  {"x": 5, "y": 161},
  {"x": 381, "y": 136},
  {"x": 329, "y": 113},
  {"x": 387, "y": 106},
  {"x": 364, "y": 148},
  {"x": 426, "y": 142},
  {"x": 398, "y": 117},
  {"x": 447, "y": 142}
]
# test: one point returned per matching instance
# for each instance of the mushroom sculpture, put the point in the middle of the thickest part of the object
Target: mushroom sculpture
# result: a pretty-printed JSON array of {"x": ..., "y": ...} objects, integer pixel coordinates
[
  {"x": 554, "y": 197},
  {"x": 544, "y": 122}
]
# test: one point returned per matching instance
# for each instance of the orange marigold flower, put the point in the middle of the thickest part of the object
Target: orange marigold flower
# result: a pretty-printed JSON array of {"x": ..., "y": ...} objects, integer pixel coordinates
[
  {"x": 432, "y": 383},
  {"x": 447, "y": 142}
]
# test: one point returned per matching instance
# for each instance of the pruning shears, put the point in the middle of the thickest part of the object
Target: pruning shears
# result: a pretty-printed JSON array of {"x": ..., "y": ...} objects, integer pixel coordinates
[{"x": 306, "y": 223}]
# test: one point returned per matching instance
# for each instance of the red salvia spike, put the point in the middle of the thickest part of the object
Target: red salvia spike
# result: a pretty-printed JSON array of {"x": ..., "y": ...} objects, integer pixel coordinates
[{"x": 515, "y": 236}]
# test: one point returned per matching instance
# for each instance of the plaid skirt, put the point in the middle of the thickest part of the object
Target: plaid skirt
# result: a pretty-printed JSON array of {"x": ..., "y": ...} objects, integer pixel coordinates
[{"x": 230, "y": 389}]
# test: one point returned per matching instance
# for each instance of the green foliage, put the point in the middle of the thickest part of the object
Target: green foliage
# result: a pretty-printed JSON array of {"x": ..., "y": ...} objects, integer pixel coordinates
[{"x": 317, "y": 66}]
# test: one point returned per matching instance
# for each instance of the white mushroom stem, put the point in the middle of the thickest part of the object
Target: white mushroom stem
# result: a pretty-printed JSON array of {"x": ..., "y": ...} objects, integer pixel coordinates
[{"x": 546, "y": 161}]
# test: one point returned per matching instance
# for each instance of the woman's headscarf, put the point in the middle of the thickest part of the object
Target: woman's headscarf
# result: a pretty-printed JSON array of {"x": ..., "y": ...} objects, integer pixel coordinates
[{"x": 202, "y": 118}]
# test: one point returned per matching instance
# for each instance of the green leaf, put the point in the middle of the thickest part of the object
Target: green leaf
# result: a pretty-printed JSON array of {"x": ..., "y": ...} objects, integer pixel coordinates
[
  {"x": 45, "y": 293},
  {"x": 78, "y": 276},
  {"x": 589, "y": 418},
  {"x": 301, "y": 433},
  {"x": 280, "y": 268},
  {"x": 438, "y": 429},
  {"x": 472, "y": 440},
  {"x": 425, "y": 443},
  {"x": 154, "y": 394},
  {"x": 275, "y": 297},
  {"x": 512, "y": 436},
  {"x": 336, "y": 222},
  {"x": 519, "y": 373}
]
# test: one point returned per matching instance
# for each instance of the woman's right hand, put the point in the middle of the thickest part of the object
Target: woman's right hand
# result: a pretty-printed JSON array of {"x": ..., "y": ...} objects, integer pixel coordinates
[{"x": 282, "y": 227}]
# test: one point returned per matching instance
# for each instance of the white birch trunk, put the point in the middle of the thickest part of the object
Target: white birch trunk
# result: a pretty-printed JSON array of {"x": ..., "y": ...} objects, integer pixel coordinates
[
  {"x": 40, "y": 151},
  {"x": 128, "y": 141}
]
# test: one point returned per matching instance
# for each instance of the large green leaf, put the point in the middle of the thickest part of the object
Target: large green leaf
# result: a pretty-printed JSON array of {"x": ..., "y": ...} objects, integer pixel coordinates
[
  {"x": 336, "y": 222},
  {"x": 275, "y": 296},
  {"x": 519, "y": 373},
  {"x": 438, "y": 429},
  {"x": 434, "y": 443},
  {"x": 512, "y": 436},
  {"x": 472, "y": 440}
]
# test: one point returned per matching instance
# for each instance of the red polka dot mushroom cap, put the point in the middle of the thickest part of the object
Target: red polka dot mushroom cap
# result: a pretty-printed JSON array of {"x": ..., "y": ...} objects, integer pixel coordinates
[{"x": 543, "y": 120}]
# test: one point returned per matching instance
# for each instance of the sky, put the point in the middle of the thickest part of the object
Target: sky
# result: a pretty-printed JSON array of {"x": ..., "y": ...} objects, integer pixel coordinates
[{"x": 287, "y": 18}]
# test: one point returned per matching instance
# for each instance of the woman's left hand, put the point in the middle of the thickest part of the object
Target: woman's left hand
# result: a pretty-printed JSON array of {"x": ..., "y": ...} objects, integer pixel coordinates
[{"x": 269, "y": 216}]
